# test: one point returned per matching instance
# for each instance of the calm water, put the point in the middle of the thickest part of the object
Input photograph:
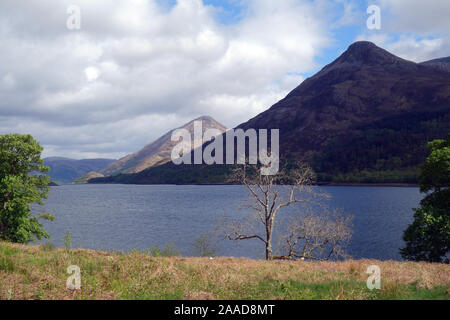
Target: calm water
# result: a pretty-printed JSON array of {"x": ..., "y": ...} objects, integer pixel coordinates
[{"x": 125, "y": 217}]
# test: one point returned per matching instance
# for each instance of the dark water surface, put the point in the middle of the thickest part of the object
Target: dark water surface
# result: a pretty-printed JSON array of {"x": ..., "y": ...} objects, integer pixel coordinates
[{"x": 125, "y": 217}]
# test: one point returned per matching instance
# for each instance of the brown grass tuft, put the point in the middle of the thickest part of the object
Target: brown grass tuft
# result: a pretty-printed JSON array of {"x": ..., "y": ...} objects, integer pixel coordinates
[
  {"x": 33, "y": 273},
  {"x": 199, "y": 295}
]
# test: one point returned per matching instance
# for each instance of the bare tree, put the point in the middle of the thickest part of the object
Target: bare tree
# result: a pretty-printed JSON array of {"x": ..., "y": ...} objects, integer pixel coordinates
[
  {"x": 317, "y": 235},
  {"x": 269, "y": 194}
]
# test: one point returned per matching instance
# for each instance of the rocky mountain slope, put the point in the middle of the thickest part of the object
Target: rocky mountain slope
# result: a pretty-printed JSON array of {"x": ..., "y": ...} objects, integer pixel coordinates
[
  {"x": 442, "y": 64},
  {"x": 157, "y": 152},
  {"x": 90, "y": 175}
]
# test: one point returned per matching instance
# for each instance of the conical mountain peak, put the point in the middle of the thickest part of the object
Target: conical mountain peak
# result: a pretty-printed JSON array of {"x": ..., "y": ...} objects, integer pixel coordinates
[
  {"x": 157, "y": 152},
  {"x": 207, "y": 122},
  {"x": 366, "y": 53}
]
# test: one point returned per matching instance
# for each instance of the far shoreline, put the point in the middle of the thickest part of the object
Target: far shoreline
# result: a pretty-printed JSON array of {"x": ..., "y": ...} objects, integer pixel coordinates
[
  {"x": 319, "y": 184},
  {"x": 387, "y": 184}
]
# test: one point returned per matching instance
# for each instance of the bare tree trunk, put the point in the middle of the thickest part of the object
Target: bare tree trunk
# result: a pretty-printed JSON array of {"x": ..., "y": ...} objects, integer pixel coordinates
[
  {"x": 269, "y": 251},
  {"x": 269, "y": 243},
  {"x": 268, "y": 194}
]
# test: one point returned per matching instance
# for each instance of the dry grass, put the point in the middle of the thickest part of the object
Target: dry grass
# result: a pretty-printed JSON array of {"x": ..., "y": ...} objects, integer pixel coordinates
[{"x": 33, "y": 272}]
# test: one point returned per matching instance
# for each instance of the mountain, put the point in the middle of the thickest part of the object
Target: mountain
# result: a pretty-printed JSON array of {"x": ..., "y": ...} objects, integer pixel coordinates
[
  {"x": 90, "y": 175},
  {"x": 364, "y": 85},
  {"x": 365, "y": 118},
  {"x": 157, "y": 152},
  {"x": 442, "y": 64},
  {"x": 64, "y": 170}
]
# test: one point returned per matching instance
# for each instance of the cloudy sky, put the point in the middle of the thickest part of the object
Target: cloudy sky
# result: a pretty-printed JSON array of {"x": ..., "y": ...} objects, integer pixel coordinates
[{"x": 138, "y": 68}]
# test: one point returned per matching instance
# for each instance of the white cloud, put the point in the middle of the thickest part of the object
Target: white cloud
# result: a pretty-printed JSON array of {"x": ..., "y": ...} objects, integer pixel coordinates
[
  {"x": 414, "y": 29},
  {"x": 417, "y": 49},
  {"x": 91, "y": 73},
  {"x": 136, "y": 70},
  {"x": 417, "y": 16},
  {"x": 351, "y": 14}
]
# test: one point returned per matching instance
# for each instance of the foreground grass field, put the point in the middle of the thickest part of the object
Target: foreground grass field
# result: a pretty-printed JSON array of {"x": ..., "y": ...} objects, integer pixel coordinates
[{"x": 39, "y": 272}]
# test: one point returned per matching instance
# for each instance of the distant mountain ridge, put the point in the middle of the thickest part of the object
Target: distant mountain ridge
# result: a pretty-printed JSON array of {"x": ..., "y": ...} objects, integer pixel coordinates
[
  {"x": 158, "y": 152},
  {"x": 364, "y": 118},
  {"x": 65, "y": 170},
  {"x": 442, "y": 64}
]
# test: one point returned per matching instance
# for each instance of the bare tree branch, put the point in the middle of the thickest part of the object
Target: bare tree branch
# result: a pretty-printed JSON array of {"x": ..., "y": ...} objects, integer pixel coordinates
[
  {"x": 317, "y": 236},
  {"x": 269, "y": 194}
]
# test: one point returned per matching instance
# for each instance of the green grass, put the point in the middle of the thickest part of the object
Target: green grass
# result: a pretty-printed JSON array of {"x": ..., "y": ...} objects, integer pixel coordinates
[
  {"x": 6, "y": 264},
  {"x": 294, "y": 290},
  {"x": 39, "y": 272}
]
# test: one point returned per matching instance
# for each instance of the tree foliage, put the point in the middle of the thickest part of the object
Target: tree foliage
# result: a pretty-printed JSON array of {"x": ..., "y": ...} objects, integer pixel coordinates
[
  {"x": 428, "y": 237},
  {"x": 22, "y": 183}
]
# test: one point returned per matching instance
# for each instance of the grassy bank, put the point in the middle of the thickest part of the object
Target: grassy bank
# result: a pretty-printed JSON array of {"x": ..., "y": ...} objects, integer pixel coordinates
[{"x": 39, "y": 272}]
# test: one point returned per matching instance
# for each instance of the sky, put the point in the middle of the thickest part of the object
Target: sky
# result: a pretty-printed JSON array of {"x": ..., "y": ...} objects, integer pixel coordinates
[{"x": 136, "y": 69}]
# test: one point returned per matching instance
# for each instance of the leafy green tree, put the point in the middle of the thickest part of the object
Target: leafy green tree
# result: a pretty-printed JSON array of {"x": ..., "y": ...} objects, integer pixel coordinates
[
  {"x": 22, "y": 182},
  {"x": 428, "y": 237}
]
